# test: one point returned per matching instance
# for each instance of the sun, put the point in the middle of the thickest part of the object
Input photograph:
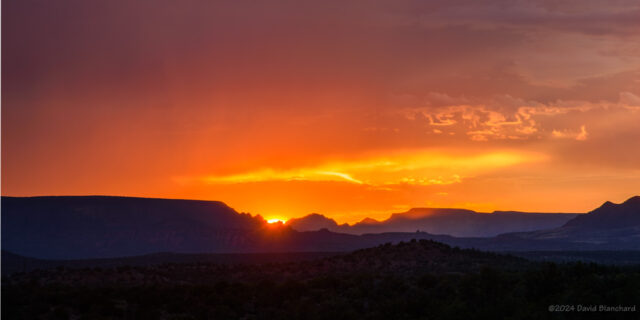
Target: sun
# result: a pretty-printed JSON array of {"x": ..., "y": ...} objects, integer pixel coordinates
[{"x": 275, "y": 220}]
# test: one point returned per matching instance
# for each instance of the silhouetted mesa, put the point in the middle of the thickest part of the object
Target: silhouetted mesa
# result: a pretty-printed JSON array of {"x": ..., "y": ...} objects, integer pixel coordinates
[{"x": 99, "y": 226}]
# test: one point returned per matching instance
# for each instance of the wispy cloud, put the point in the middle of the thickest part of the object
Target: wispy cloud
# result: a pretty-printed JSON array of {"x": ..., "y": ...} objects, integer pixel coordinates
[
  {"x": 580, "y": 135},
  {"x": 412, "y": 168}
]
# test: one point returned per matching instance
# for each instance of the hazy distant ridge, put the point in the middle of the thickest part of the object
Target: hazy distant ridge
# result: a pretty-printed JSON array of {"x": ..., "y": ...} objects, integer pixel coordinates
[{"x": 455, "y": 222}]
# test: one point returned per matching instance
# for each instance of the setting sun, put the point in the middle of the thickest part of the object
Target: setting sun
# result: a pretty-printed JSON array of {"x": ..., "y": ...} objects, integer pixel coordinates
[{"x": 275, "y": 220}]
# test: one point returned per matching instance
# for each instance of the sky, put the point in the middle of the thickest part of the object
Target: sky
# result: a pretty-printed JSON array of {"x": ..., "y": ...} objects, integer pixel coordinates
[{"x": 351, "y": 109}]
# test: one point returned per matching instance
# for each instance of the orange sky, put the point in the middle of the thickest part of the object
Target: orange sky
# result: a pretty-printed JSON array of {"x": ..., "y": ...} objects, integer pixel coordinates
[{"x": 288, "y": 108}]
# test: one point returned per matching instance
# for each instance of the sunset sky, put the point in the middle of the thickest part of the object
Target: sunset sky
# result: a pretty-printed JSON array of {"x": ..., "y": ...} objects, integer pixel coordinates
[{"x": 350, "y": 109}]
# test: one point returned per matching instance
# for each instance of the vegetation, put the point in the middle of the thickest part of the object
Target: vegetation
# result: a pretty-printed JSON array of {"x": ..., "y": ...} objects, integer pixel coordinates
[{"x": 416, "y": 280}]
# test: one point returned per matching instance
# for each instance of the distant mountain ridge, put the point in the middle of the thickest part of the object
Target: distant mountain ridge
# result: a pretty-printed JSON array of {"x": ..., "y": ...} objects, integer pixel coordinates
[
  {"x": 454, "y": 222},
  {"x": 610, "y": 223},
  {"x": 107, "y": 227},
  {"x": 610, "y": 215}
]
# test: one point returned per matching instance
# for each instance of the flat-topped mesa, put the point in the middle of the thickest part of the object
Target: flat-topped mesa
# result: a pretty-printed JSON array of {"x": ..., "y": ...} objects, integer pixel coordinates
[
  {"x": 105, "y": 226},
  {"x": 417, "y": 213}
]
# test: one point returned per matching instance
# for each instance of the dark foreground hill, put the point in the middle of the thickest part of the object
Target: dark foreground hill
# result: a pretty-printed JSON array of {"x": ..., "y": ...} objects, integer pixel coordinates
[
  {"x": 402, "y": 259},
  {"x": 12, "y": 263},
  {"x": 414, "y": 280}
]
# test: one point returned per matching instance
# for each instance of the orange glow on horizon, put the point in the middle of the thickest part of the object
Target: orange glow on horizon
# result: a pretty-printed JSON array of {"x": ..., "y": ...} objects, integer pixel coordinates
[{"x": 419, "y": 167}]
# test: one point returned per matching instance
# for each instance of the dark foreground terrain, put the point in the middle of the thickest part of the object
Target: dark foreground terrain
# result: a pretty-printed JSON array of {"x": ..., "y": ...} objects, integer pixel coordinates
[{"x": 412, "y": 280}]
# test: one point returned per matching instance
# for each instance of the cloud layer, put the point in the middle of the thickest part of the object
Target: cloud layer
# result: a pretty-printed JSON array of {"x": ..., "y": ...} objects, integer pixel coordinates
[{"x": 251, "y": 102}]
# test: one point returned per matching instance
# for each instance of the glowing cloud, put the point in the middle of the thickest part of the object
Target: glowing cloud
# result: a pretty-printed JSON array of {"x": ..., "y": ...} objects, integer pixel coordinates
[
  {"x": 414, "y": 168},
  {"x": 565, "y": 134}
]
